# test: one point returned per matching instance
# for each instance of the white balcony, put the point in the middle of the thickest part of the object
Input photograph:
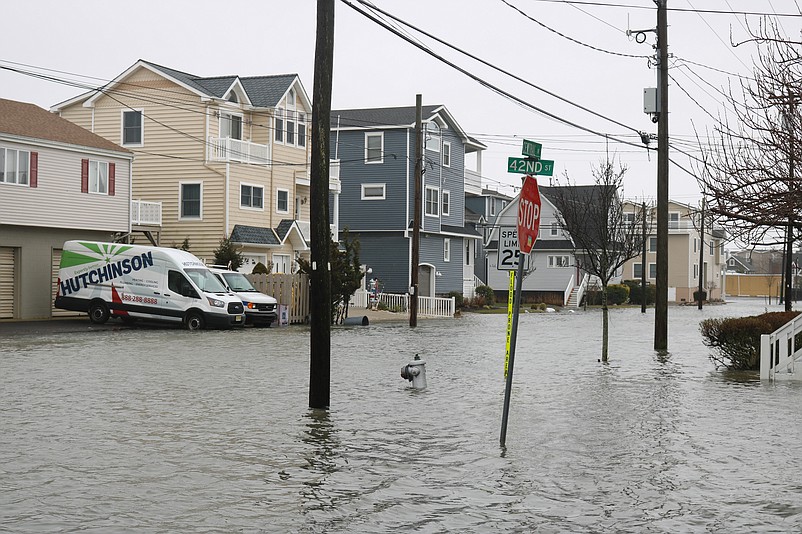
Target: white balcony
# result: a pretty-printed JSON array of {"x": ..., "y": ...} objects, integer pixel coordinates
[
  {"x": 226, "y": 149},
  {"x": 144, "y": 213}
]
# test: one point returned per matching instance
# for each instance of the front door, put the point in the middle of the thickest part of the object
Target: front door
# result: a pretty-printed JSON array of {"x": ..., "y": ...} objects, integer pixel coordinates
[{"x": 425, "y": 277}]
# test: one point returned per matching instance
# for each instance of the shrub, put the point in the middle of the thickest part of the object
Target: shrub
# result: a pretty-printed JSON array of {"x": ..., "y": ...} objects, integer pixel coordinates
[
  {"x": 737, "y": 340},
  {"x": 459, "y": 300},
  {"x": 635, "y": 292},
  {"x": 617, "y": 294},
  {"x": 696, "y": 295},
  {"x": 261, "y": 268},
  {"x": 486, "y": 292},
  {"x": 228, "y": 254}
]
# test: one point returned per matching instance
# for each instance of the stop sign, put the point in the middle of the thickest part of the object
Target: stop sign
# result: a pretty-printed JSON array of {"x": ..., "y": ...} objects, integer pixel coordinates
[{"x": 528, "y": 214}]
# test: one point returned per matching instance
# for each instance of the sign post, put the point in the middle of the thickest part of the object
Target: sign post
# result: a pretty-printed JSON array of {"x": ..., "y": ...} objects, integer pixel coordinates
[{"x": 528, "y": 225}]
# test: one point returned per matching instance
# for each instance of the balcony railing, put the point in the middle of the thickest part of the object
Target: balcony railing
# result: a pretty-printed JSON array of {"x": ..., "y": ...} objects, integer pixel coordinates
[
  {"x": 473, "y": 182},
  {"x": 227, "y": 149},
  {"x": 146, "y": 213}
]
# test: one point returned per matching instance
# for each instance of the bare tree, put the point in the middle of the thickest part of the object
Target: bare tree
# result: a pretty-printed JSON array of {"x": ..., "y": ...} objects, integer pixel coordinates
[
  {"x": 604, "y": 239},
  {"x": 749, "y": 170}
]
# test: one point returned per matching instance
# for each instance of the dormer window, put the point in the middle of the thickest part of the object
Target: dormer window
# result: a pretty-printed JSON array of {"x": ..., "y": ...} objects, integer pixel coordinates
[{"x": 233, "y": 97}]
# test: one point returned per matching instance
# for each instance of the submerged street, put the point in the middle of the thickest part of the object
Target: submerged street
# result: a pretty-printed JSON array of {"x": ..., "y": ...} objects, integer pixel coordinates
[{"x": 164, "y": 430}]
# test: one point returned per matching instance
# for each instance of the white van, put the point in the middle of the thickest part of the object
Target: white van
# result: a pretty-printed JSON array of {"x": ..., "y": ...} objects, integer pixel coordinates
[
  {"x": 141, "y": 282},
  {"x": 260, "y": 309}
]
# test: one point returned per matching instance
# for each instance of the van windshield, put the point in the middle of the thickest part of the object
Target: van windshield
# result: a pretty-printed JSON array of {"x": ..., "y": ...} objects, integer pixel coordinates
[
  {"x": 206, "y": 281},
  {"x": 238, "y": 282}
]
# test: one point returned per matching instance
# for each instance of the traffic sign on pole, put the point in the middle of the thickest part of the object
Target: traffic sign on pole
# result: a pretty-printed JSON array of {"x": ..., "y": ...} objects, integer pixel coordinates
[
  {"x": 540, "y": 167},
  {"x": 528, "y": 214},
  {"x": 531, "y": 149}
]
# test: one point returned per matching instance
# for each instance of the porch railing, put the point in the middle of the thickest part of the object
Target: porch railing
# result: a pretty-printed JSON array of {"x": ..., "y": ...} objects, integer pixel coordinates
[
  {"x": 780, "y": 350},
  {"x": 146, "y": 213},
  {"x": 399, "y": 303},
  {"x": 228, "y": 149}
]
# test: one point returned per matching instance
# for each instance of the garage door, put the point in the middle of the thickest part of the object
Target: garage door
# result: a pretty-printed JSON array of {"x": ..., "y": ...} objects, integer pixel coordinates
[
  {"x": 55, "y": 312},
  {"x": 8, "y": 281}
]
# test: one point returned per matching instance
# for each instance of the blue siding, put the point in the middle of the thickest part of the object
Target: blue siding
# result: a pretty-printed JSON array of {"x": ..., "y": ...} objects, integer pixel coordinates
[
  {"x": 388, "y": 256},
  {"x": 431, "y": 251}
]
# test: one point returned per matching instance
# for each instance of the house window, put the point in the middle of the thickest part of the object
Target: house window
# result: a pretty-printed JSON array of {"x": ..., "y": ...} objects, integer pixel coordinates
[
  {"x": 432, "y": 201},
  {"x": 251, "y": 196},
  {"x": 558, "y": 261},
  {"x": 132, "y": 127},
  {"x": 278, "y": 125},
  {"x": 673, "y": 220},
  {"x": 373, "y": 191},
  {"x": 14, "y": 166},
  {"x": 446, "y": 154},
  {"x": 282, "y": 201},
  {"x": 731, "y": 262},
  {"x": 468, "y": 254},
  {"x": 652, "y": 244},
  {"x": 446, "y": 203},
  {"x": 696, "y": 270},
  {"x": 492, "y": 202},
  {"x": 190, "y": 200},
  {"x": 712, "y": 248},
  {"x": 301, "y": 129},
  {"x": 374, "y": 147},
  {"x": 230, "y": 126},
  {"x": 555, "y": 229},
  {"x": 629, "y": 218},
  {"x": 433, "y": 137},
  {"x": 281, "y": 263},
  {"x": 653, "y": 271},
  {"x": 446, "y": 249},
  {"x": 290, "y": 127},
  {"x": 98, "y": 177},
  {"x": 695, "y": 245},
  {"x": 637, "y": 270}
]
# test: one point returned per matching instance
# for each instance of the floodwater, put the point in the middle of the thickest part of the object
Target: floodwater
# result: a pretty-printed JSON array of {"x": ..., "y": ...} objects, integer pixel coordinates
[{"x": 162, "y": 430}]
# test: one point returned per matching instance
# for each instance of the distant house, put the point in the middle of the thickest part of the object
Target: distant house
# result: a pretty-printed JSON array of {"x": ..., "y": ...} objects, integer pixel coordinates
[
  {"x": 481, "y": 209},
  {"x": 376, "y": 153},
  {"x": 217, "y": 157},
  {"x": 685, "y": 247},
  {"x": 58, "y": 182},
  {"x": 554, "y": 275}
]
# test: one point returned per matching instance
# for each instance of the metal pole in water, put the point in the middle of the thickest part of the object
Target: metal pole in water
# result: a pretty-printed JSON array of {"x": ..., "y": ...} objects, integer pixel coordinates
[{"x": 519, "y": 276}]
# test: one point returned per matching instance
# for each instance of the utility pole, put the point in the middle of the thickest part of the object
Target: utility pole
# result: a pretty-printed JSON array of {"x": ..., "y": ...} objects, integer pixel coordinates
[
  {"x": 789, "y": 235},
  {"x": 661, "y": 297},
  {"x": 417, "y": 212},
  {"x": 702, "y": 253},
  {"x": 320, "y": 234},
  {"x": 643, "y": 262}
]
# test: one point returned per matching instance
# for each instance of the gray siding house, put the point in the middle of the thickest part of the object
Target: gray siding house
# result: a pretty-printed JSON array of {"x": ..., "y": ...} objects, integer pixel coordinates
[
  {"x": 58, "y": 182},
  {"x": 376, "y": 153},
  {"x": 481, "y": 211}
]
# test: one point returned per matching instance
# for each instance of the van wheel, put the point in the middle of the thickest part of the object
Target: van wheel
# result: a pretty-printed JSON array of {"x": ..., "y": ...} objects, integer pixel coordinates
[
  {"x": 98, "y": 312},
  {"x": 194, "y": 321}
]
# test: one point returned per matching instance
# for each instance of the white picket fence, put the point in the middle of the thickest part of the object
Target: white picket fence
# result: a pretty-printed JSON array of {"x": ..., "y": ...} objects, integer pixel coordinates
[
  {"x": 779, "y": 352},
  {"x": 399, "y": 303}
]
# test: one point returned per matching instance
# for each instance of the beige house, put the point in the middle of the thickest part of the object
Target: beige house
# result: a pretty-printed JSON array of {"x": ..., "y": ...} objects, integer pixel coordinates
[
  {"x": 685, "y": 244},
  {"x": 217, "y": 157},
  {"x": 58, "y": 182}
]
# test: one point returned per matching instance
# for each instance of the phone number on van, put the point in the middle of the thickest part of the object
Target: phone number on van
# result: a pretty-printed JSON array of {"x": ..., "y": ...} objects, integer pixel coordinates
[{"x": 139, "y": 298}]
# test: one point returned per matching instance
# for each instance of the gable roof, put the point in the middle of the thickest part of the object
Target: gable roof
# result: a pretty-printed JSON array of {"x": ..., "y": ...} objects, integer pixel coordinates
[
  {"x": 396, "y": 117},
  {"x": 262, "y": 91},
  {"x": 32, "y": 122}
]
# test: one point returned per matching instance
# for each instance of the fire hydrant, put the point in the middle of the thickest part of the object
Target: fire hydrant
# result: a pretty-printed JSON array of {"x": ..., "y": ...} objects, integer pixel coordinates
[{"x": 415, "y": 372}]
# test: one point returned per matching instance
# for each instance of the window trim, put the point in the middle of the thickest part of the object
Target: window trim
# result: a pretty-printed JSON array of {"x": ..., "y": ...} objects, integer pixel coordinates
[
  {"x": 635, "y": 274},
  {"x": 252, "y": 186},
  {"x": 141, "y": 112},
  {"x": 300, "y": 125},
  {"x": 554, "y": 229},
  {"x": 552, "y": 262},
  {"x": 278, "y": 131},
  {"x": 431, "y": 203},
  {"x": 287, "y": 192},
  {"x": 181, "y": 216},
  {"x": 445, "y": 207},
  {"x": 229, "y": 115},
  {"x": 96, "y": 164},
  {"x": 17, "y": 159},
  {"x": 649, "y": 274},
  {"x": 652, "y": 239},
  {"x": 380, "y": 135},
  {"x": 446, "y": 154},
  {"x": 447, "y": 249},
  {"x": 383, "y": 187}
]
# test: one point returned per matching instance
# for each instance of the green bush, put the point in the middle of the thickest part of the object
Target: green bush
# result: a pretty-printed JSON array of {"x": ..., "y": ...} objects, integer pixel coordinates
[
  {"x": 737, "y": 340},
  {"x": 635, "y": 292},
  {"x": 617, "y": 294},
  {"x": 696, "y": 295},
  {"x": 261, "y": 268},
  {"x": 459, "y": 300},
  {"x": 486, "y": 292}
]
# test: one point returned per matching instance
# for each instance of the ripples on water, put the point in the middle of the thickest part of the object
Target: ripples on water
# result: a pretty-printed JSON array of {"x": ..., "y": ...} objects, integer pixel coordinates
[{"x": 168, "y": 431}]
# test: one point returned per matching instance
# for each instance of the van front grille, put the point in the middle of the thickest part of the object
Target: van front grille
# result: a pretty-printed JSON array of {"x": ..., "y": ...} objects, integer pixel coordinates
[{"x": 235, "y": 308}]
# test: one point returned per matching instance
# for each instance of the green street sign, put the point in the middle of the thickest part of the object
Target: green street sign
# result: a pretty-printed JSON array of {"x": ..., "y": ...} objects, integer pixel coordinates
[
  {"x": 531, "y": 149},
  {"x": 541, "y": 167}
]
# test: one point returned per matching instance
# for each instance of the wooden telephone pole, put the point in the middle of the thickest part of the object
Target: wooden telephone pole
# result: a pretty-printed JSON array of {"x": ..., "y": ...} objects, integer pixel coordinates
[
  {"x": 417, "y": 212},
  {"x": 661, "y": 296},
  {"x": 320, "y": 279}
]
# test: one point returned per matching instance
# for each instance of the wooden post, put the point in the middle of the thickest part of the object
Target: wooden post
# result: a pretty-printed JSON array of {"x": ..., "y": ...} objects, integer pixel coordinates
[{"x": 417, "y": 215}]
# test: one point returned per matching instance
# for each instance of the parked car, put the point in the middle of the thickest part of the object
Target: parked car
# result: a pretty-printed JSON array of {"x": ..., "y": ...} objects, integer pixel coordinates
[{"x": 260, "y": 309}]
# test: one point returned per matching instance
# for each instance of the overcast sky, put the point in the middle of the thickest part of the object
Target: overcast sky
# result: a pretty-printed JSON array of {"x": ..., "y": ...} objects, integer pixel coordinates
[{"x": 578, "y": 51}]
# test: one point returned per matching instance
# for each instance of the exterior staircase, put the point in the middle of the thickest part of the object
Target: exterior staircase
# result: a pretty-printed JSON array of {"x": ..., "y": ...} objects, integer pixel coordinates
[
  {"x": 573, "y": 298},
  {"x": 781, "y": 352}
]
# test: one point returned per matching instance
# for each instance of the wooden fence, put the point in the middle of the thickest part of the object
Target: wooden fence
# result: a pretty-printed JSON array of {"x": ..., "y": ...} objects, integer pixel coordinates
[{"x": 291, "y": 290}]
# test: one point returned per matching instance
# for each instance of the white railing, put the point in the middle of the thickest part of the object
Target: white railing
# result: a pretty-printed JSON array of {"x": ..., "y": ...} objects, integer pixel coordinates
[
  {"x": 779, "y": 352},
  {"x": 473, "y": 182},
  {"x": 582, "y": 287},
  {"x": 146, "y": 213},
  {"x": 399, "y": 303},
  {"x": 228, "y": 149},
  {"x": 568, "y": 290}
]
